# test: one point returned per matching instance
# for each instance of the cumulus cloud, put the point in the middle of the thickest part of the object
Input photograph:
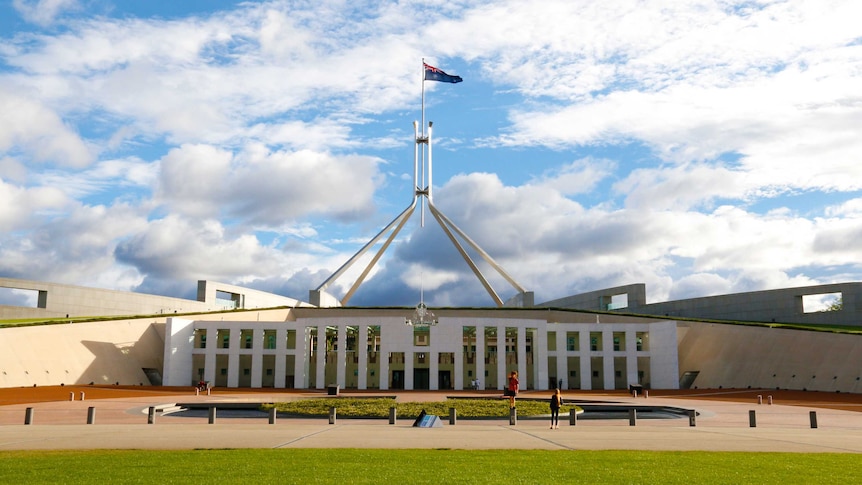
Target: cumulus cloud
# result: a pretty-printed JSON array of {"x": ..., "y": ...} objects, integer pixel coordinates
[
  {"x": 699, "y": 147},
  {"x": 267, "y": 188},
  {"x": 33, "y": 129}
]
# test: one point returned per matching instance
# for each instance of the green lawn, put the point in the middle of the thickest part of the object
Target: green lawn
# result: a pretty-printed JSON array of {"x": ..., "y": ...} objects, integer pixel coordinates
[
  {"x": 349, "y": 466},
  {"x": 379, "y": 407}
]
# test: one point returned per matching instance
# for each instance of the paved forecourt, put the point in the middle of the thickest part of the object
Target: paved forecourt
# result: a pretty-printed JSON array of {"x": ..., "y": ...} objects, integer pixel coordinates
[{"x": 722, "y": 425}]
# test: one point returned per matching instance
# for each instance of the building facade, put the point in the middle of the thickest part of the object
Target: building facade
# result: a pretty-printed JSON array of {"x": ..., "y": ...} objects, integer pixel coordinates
[{"x": 375, "y": 349}]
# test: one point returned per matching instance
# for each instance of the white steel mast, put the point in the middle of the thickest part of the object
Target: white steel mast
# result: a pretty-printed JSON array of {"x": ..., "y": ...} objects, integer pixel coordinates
[{"x": 422, "y": 192}]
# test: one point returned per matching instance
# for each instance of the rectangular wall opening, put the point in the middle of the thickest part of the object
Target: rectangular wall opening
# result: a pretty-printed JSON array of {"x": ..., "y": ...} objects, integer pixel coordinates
[
  {"x": 822, "y": 302},
  {"x": 615, "y": 302},
  {"x": 19, "y": 297}
]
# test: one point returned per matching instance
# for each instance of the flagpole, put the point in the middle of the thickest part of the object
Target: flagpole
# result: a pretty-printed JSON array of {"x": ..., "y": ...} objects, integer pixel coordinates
[{"x": 421, "y": 187}]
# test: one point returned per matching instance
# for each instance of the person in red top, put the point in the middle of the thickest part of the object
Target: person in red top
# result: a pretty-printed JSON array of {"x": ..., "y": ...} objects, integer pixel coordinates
[{"x": 513, "y": 388}]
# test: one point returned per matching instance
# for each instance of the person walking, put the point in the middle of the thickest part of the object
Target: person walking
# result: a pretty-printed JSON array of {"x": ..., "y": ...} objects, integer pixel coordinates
[
  {"x": 556, "y": 404},
  {"x": 513, "y": 388}
]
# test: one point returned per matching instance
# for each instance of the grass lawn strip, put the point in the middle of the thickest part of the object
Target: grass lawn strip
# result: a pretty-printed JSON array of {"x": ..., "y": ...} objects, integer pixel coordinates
[
  {"x": 379, "y": 407},
  {"x": 423, "y": 466}
]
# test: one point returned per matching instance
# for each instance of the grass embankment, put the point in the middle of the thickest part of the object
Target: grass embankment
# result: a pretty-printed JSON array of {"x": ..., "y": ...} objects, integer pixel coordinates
[
  {"x": 379, "y": 407},
  {"x": 359, "y": 466}
]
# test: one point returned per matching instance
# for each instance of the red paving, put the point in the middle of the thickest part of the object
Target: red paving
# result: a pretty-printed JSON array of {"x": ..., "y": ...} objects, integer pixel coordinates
[
  {"x": 25, "y": 395},
  {"x": 723, "y": 424}
]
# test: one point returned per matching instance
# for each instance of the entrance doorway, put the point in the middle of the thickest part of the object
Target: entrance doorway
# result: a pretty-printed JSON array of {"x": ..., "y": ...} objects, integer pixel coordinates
[
  {"x": 444, "y": 379},
  {"x": 421, "y": 379},
  {"x": 398, "y": 379}
]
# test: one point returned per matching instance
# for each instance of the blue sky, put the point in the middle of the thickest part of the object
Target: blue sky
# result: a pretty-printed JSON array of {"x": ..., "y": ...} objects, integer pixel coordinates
[{"x": 699, "y": 147}]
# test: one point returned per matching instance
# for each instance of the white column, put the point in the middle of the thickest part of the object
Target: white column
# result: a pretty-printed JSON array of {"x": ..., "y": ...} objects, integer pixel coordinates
[
  {"x": 321, "y": 357},
  {"x": 631, "y": 357},
  {"x": 301, "y": 358},
  {"x": 562, "y": 359},
  {"x": 257, "y": 357},
  {"x": 233, "y": 357},
  {"x": 433, "y": 368},
  {"x": 608, "y": 358},
  {"x": 458, "y": 361},
  {"x": 521, "y": 356},
  {"x": 210, "y": 357},
  {"x": 540, "y": 356},
  {"x": 341, "y": 357},
  {"x": 480, "y": 355},
  {"x": 408, "y": 367},
  {"x": 502, "y": 376},
  {"x": 383, "y": 358},
  {"x": 280, "y": 371},
  {"x": 586, "y": 360},
  {"x": 362, "y": 353}
]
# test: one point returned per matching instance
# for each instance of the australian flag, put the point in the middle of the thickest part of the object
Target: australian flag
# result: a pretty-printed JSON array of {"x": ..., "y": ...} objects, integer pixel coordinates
[{"x": 434, "y": 74}]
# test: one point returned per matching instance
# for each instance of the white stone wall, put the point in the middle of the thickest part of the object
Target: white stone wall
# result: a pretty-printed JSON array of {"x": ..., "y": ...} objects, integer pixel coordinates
[{"x": 99, "y": 352}]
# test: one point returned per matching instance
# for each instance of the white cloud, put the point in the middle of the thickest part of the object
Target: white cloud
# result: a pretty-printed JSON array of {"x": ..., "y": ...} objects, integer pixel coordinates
[
  {"x": 256, "y": 133},
  {"x": 580, "y": 176},
  {"x": 43, "y": 12},
  {"x": 268, "y": 188},
  {"x": 19, "y": 205},
  {"x": 73, "y": 246},
  {"x": 37, "y": 131}
]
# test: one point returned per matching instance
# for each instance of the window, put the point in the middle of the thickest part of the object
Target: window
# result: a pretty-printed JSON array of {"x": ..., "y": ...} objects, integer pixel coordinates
[
  {"x": 572, "y": 343},
  {"x": 200, "y": 338},
  {"x": 595, "y": 341},
  {"x": 269, "y": 339},
  {"x": 642, "y": 341},
  {"x": 552, "y": 340},
  {"x": 245, "y": 338},
  {"x": 421, "y": 336}
]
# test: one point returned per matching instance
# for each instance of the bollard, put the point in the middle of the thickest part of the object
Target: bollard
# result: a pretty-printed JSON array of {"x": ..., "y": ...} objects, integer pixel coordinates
[
  {"x": 513, "y": 416},
  {"x": 393, "y": 413},
  {"x": 752, "y": 419},
  {"x": 646, "y": 394},
  {"x": 453, "y": 416},
  {"x": 812, "y": 416},
  {"x": 692, "y": 417},
  {"x": 331, "y": 415},
  {"x": 208, "y": 391},
  {"x": 634, "y": 393},
  {"x": 759, "y": 399},
  {"x": 71, "y": 396},
  {"x": 272, "y": 413},
  {"x": 91, "y": 415},
  {"x": 212, "y": 415},
  {"x": 197, "y": 392},
  {"x": 151, "y": 415},
  {"x": 769, "y": 400},
  {"x": 633, "y": 417},
  {"x": 82, "y": 395},
  {"x": 573, "y": 417},
  {"x": 28, "y": 416}
]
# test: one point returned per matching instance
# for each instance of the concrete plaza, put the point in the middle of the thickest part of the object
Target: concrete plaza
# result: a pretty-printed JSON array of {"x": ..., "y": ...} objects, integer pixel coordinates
[{"x": 120, "y": 422}]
